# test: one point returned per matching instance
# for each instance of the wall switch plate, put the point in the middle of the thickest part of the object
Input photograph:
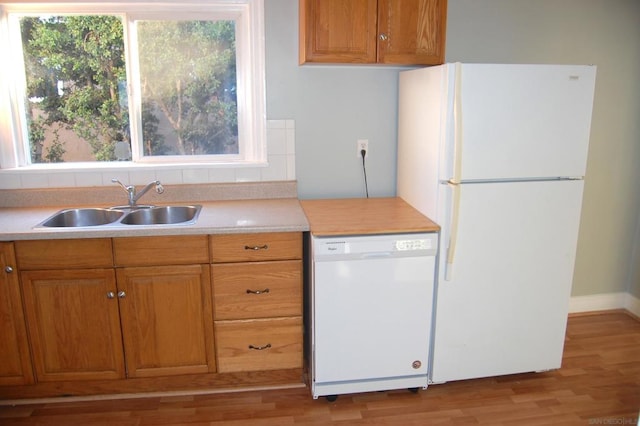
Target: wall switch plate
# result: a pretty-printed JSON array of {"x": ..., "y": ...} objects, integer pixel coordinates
[{"x": 360, "y": 145}]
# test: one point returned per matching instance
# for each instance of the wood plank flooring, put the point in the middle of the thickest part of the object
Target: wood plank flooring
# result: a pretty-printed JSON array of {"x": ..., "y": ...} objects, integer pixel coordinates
[{"x": 598, "y": 384}]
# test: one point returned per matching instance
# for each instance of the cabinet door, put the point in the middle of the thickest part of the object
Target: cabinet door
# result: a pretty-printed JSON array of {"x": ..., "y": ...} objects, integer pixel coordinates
[
  {"x": 338, "y": 31},
  {"x": 15, "y": 368},
  {"x": 74, "y": 324},
  {"x": 167, "y": 321},
  {"x": 411, "y": 31}
]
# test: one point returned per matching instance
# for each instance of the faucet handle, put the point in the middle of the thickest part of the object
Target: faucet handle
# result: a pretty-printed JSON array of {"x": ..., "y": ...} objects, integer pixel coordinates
[
  {"x": 134, "y": 195},
  {"x": 125, "y": 187},
  {"x": 159, "y": 187}
]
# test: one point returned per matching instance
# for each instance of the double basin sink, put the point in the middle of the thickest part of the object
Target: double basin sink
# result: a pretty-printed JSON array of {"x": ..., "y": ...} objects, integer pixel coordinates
[{"x": 127, "y": 216}]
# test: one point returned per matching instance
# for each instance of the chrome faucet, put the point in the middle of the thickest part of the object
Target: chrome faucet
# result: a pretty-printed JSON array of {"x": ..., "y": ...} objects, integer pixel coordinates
[{"x": 134, "y": 196}]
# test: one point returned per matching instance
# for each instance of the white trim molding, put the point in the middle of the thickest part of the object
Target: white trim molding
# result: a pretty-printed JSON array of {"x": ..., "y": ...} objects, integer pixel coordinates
[{"x": 605, "y": 301}]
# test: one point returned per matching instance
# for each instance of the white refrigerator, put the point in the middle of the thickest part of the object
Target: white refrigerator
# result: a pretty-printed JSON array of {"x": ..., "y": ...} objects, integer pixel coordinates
[{"x": 496, "y": 155}]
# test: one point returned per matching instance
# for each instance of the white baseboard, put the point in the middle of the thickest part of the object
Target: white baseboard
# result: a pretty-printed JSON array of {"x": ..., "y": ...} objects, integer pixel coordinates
[
  {"x": 605, "y": 301},
  {"x": 633, "y": 305}
]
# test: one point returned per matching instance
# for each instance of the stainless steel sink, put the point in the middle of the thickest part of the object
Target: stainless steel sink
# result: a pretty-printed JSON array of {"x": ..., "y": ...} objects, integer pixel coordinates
[
  {"x": 82, "y": 217},
  {"x": 109, "y": 217},
  {"x": 164, "y": 215}
]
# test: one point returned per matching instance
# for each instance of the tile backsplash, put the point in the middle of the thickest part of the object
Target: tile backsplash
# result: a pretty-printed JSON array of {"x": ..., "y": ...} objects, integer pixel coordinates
[{"x": 280, "y": 155}]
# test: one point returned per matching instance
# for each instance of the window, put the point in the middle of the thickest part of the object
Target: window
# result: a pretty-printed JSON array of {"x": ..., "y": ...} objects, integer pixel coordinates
[{"x": 159, "y": 83}]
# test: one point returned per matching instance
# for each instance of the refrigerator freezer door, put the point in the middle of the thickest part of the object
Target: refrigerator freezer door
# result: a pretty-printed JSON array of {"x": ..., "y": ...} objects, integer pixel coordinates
[
  {"x": 504, "y": 310},
  {"x": 523, "y": 121}
]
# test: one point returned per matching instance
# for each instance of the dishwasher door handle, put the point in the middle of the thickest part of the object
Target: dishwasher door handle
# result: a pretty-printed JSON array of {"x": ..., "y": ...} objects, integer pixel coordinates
[{"x": 376, "y": 255}]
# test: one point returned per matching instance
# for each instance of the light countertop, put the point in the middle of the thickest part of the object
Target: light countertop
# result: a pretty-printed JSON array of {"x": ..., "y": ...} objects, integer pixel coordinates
[
  {"x": 241, "y": 208},
  {"x": 364, "y": 216},
  {"x": 216, "y": 217}
]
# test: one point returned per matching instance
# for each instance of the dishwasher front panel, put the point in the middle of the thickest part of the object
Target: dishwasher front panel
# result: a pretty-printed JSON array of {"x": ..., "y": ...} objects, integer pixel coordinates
[{"x": 372, "y": 314}]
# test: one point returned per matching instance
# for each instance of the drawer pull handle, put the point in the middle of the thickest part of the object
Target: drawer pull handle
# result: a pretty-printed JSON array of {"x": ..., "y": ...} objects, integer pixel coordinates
[
  {"x": 256, "y": 248},
  {"x": 260, "y": 348},
  {"x": 266, "y": 290}
]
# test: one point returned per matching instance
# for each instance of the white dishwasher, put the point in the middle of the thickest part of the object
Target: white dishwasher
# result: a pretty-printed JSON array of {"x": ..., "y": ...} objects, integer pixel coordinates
[{"x": 371, "y": 300}]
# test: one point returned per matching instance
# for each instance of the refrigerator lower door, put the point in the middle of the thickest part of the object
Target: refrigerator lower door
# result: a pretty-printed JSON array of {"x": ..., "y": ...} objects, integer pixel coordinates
[{"x": 504, "y": 309}]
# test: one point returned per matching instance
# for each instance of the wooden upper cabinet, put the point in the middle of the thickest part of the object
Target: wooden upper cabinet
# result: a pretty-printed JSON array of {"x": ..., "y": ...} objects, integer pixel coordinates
[
  {"x": 342, "y": 31},
  {"x": 402, "y": 32},
  {"x": 411, "y": 31}
]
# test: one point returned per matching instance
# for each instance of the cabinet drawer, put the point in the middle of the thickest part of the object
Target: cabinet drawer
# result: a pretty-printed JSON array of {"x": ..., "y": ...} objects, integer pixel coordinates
[
  {"x": 170, "y": 250},
  {"x": 256, "y": 247},
  {"x": 64, "y": 254},
  {"x": 257, "y": 290},
  {"x": 261, "y": 344}
]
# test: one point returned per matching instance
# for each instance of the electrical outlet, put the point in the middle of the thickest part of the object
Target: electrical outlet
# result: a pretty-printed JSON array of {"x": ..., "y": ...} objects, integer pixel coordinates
[{"x": 362, "y": 144}]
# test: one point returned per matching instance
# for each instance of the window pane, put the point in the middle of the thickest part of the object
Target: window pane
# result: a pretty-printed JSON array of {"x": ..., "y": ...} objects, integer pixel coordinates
[
  {"x": 188, "y": 86},
  {"x": 76, "y": 87}
]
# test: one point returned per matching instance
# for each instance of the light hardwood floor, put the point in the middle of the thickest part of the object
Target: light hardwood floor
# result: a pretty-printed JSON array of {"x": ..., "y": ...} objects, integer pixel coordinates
[{"x": 598, "y": 384}]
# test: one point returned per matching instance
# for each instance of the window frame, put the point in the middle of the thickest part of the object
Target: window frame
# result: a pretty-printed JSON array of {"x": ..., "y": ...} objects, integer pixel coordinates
[{"x": 250, "y": 73}]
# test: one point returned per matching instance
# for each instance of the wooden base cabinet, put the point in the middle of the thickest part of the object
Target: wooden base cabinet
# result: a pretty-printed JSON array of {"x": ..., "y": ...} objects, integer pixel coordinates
[
  {"x": 147, "y": 314},
  {"x": 15, "y": 359},
  {"x": 257, "y": 289},
  {"x": 259, "y": 344},
  {"x": 166, "y": 320},
  {"x": 257, "y": 286},
  {"x": 74, "y": 324},
  {"x": 165, "y": 304},
  {"x": 138, "y": 314},
  {"x": 69, "y": 290}
]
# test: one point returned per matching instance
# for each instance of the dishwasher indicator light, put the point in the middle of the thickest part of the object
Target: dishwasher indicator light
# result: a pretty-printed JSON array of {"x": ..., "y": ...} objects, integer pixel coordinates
[{"x": 406, "y": 245}]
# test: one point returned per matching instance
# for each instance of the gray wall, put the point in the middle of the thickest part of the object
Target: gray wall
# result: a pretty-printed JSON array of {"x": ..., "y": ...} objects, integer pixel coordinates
[{"x": 333, "y": 106}]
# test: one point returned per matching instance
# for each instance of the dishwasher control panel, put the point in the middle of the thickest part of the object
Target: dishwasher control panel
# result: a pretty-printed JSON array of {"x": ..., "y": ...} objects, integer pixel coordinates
[
  {"x": 393, "y": 245},
  {"x": 414, "y": 244}
]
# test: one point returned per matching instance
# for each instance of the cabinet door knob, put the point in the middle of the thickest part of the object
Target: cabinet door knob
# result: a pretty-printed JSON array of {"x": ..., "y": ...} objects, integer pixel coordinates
[
  {"x": 111, "y": 295},
  {"x": 8, "y": 269},
  {"x": 384, "y": 37},
  {"x": 122, "y": 294}
]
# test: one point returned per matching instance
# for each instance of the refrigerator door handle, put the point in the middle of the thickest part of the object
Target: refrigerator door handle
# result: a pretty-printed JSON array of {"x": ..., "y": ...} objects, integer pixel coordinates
[
  {"x": 457, "y": 172},
  {"x": 457, "y": 119},
  {"x": 453, "y": 234}
]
